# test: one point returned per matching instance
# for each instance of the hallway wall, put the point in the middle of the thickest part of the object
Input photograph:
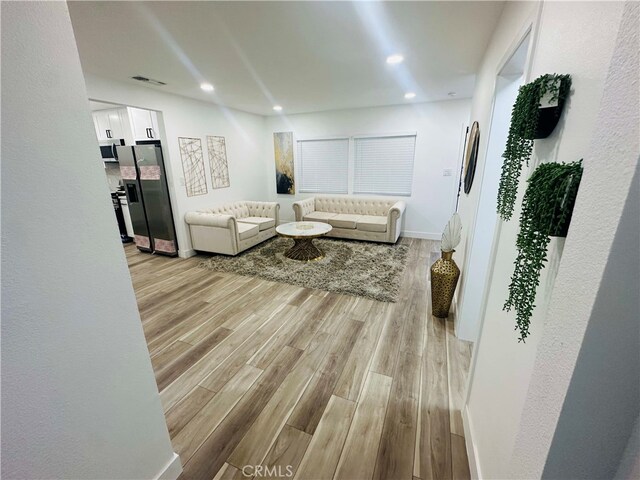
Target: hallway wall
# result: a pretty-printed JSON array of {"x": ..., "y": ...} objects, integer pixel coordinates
[
  {"x": 478, "y": 266},
  {"x": 584, "y": 394},
  {"x": 502, "y": 369},
  {"x": 79, "y": 398}
]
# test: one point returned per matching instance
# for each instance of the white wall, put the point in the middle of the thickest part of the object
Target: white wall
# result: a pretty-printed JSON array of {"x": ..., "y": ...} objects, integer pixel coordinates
[
  {"x": 502, "y": 367},
  {"x": 79, "y": 398},
  {"x": 477, "y": 268},
  {"x": 492, "y": 421},
  {"x": 439, "y": 127},
  {"x": 516, "y": 20},
  {"x": 629, "y": 468},
  {"x": 584, "y": 395},
  {"x": 185, "y": 117},
  {"x": 604, "y": 385}
]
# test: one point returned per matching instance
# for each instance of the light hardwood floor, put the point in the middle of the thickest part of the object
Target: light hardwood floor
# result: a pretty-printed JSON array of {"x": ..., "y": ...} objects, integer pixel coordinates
[{"x": 308, "y": 383}]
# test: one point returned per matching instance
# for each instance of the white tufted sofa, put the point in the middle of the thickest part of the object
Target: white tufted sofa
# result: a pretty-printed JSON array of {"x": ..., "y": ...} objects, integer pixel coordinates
[
  {"x": 372, "y": 219},
  {"x": 233, "y": 227}
]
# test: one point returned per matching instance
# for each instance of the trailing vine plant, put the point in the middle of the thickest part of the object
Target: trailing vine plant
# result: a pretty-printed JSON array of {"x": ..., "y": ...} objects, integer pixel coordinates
[
  {"x": 522, "y": 131},
  {"x": 546, "y": 211}
]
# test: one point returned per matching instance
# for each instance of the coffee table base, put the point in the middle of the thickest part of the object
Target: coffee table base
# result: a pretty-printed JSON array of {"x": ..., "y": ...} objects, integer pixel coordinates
[{"x": 304, "y": 250}]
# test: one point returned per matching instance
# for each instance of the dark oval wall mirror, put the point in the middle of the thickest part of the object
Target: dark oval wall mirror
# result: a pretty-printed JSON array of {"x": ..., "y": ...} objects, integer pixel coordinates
[{"x": 471, "y": 156}]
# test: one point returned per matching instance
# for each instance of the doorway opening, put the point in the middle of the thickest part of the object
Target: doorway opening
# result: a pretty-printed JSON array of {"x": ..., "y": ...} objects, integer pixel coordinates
[
  {"x": 131, "y": 149},
  {"x": 481, "y": 253}
]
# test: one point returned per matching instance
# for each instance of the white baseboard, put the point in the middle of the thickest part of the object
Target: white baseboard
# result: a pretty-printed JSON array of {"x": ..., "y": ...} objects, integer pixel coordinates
[
  {"x": 424, "y": 235},
  {"x": 186, "y": 253},
  {"x": 172, "y": 470},
  {"x": 472, "y": 453}
]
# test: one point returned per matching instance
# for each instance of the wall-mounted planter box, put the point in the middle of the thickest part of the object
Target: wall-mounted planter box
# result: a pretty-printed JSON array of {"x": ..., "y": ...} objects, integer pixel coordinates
[
  {"x": 534, "y": 115},
  {"x": 547, "y": 207},
  {"x": 549, "y": 112},
  {"x": 561, "y": 226}
]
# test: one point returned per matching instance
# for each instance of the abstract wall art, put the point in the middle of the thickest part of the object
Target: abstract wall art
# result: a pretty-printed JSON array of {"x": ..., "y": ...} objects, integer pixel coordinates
[
  {"x": 283, "y": 146},
  {"x": 218, "y": 162},
  {"x": 192, "y": 166}
]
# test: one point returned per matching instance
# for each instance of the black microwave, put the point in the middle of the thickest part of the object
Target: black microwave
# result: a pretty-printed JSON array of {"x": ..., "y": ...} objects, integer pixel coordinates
[{"x": 108, "y": 150}]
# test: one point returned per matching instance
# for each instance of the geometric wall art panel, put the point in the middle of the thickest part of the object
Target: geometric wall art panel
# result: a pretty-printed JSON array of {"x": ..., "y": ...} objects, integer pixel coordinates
[
  {"x": 218, "y": 162},
  {"x": 192, "y": 166}
]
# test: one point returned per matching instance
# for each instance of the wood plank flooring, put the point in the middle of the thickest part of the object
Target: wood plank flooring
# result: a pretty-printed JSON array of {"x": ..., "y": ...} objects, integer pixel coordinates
[{"x": 292, "y": 382}]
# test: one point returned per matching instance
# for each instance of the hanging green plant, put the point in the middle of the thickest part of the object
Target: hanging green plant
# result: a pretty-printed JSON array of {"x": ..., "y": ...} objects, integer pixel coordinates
[
  {"x": 525, "y": 126},
  {"x": 546, "y": 211}
]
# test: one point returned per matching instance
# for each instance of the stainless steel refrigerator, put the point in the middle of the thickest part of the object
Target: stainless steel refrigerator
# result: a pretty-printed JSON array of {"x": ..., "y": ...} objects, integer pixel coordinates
[{"x": 145, "y": 184}]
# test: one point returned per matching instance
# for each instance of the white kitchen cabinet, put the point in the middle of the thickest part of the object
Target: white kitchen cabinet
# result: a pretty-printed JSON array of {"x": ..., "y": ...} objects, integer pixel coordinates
[
  {"x": 101, "y": 122},
  {"x": 97, "y": 127},
  {"x": 144, "y": 123},
  {"x": 108, "y": 124},
  {"x": 115, "y": 125}
]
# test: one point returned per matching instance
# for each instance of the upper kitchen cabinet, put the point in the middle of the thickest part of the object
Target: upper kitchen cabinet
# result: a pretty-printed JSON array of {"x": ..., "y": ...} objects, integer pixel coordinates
[
  {"x": 110, "y": 124},
  {"x": 101, "y": 124},
  {"x": 115, "y": 122},
  {"x": 144, "y": 123}
]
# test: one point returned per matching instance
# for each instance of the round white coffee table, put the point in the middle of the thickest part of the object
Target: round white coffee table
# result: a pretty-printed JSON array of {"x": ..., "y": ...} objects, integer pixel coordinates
[{"x": 303, "y": 234}]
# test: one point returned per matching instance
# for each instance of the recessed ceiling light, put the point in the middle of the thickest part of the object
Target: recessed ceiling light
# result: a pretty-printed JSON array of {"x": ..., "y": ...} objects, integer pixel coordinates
[
  {"x": 207, "y": 87},
  {"x": 395, "y": 59},
  {"x": 277, "y": 108},
  {"x": 409, "y": 95},
  {"x": 452, "y": 94}
]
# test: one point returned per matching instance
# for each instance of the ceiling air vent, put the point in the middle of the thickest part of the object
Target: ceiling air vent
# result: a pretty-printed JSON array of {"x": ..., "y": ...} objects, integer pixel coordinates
[{"x": 140, "y": 78}]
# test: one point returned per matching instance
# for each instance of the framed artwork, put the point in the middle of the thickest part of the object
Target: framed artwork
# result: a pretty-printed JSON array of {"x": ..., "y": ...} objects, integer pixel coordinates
[
  {"x": 283, "y": 147},
  {"x": 192, "y": 166},
  {"x": 217, "y": 150},
  {"x": 471, "y": 156}
]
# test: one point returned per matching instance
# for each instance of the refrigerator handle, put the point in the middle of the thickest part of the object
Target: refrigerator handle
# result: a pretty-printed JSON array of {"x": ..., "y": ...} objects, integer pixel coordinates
[
  {"x": 151, "y": 133},
  {"x": 115, "y": 152}
]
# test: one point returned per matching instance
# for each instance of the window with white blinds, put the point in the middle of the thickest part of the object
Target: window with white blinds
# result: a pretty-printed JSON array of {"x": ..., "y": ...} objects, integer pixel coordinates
[
  {"x": 324, "y": 165},
  {"x": 384, "y": 165}
]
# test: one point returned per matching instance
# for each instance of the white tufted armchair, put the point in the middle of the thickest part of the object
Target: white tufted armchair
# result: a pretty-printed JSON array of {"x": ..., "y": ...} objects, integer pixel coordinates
[
  {"x": 233, "y": 227},
  {"x": 372, "y": 219}
]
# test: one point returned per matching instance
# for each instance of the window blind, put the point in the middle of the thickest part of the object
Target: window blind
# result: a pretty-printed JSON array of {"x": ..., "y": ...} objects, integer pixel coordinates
[
  {"x": 324, "y": 165},
  {"x": 384, "y": 165}
]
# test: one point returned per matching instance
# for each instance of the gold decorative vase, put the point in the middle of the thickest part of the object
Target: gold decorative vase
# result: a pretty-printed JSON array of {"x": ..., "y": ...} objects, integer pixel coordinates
[{"x": 444, "y": 278}]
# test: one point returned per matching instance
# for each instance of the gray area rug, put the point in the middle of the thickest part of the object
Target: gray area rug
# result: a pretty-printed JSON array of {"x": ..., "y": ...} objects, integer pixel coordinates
[{"x": 371, "y": 270}]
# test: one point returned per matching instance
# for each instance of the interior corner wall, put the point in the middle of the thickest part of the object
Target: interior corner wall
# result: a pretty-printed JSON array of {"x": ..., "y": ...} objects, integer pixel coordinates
[
  {"x": 79, "y": 398},
  {"x": 501, "y": 367},
  {"x": 186, "y": 117},
  {"x": 439, "y": 127}
]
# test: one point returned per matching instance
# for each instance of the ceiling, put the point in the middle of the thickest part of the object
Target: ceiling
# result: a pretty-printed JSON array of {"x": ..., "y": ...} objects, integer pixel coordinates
[{"x": 305, "y": 56}]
